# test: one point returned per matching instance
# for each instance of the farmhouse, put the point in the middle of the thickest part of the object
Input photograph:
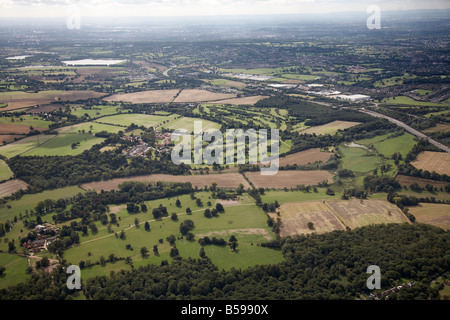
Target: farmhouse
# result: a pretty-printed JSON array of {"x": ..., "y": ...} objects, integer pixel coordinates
[{"x": 354, "y": 97}]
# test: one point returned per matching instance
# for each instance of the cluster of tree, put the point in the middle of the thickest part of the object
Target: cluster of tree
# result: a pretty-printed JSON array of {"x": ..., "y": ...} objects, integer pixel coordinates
[
  {"x": 383, "y": 183},
  {"x": 325, "y": 266},
  {"x": 91, "y": 165}
]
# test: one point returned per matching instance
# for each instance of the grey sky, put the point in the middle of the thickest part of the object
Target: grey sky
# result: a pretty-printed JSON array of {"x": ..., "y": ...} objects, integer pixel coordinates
[{"x": 112, "y": 8}]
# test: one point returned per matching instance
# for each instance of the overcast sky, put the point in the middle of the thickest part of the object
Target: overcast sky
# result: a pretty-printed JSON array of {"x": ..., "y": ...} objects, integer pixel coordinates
[{"x": 124, "y": 8}]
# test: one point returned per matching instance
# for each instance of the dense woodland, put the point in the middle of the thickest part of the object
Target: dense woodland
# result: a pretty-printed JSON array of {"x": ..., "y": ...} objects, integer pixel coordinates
[{"x": 327, "y": 266}]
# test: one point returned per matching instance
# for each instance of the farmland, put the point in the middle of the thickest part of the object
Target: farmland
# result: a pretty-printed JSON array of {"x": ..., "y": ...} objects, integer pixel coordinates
[
  {"x": 329, "y": 215},
  {"x": 23, "y": 145},
  {"x": 5, "y": 172},
  {"x": 241, "y": 101},
  {"x": 305, "y": 157},
  {"x": 289, "y": 179},
  {"x": 330, "y": 128},
  {"x": 432, "y": 213},
  {"x": 433, "y": 161},
  {"x": 19, "y": 100},
  {"x": 194, "y": 95},
  {"x": 9, "y": 187},
  {"x": 152, "y": 96}
]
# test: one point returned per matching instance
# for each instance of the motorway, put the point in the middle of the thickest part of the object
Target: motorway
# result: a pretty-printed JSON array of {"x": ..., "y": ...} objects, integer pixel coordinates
[{"x": 407, "y": 128}]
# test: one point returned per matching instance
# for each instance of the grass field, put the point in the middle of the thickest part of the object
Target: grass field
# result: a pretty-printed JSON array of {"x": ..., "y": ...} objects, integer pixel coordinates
[
  {"x": 246, "y": 221},
  {"x": 224, "y": 180},
  {"x": 5, "y": 172},
  {"x": 188, "y": 124},
  {"x": 138, "y": 119},
  {"x": 358, "y": 159},
  {"x": 435, "y": 214},
  {"x": 330, "y": 128},
  {"x": 409, "y": 101},
  {"x": 402, "y": 144},
  {"x": 28, "y": 201},
  {"x": 95, "y": 111},
  {"x": 15, "y": 272},
  {"x": 23, "y": 145},
  {"x": 433, "y": 161},
  {"x": 61, "y": 145},
  {"x": 226, "y": 83},
  {"x": 7, "y": 124},
  {"x": 91, "y": 126}
]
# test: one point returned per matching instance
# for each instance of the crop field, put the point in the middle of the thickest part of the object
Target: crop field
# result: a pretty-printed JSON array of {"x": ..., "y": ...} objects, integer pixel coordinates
[
  {"x": 436, "y": 214},
  {"x": 305, "y": 157},
  {"x": 407, "y": 181},
  {"x": 357, "y": 213},
  {"x": 145, "y": 120},
  {"x": 7, "y": 138},
  {"x": 402, "y": 144},
  {"x": 296, "y": 216},
  {"x": 433, "y": 161},
  {"x": 28, "y": 201},
  {"x": 330, "y": 215},
  {"x": 22, "y": 121},
  {"x": 358, "y": 159},
  {"x": 23, "y": 145},
  {"x": 289, "y": 178},
  {"x": 5, "y": 172},
  {"x": 151, "y": 96},
  {"x": 224, "y": 180},
  {"x": 440, "y": 127},
  {"x": 197, "y": 95},
  {"x": 241, "y": 101},
  {"x": 330, "y": 128},
  {"x": 9, "y": 187},
  {"x": 20, "y": 99},
  {"x": 61, "y": 145},
  {"x": 246, "y": 221}
]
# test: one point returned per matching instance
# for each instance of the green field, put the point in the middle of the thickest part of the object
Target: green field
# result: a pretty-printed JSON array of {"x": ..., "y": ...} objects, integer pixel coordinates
[
  {"x": 15, "y": 272},
  {"x": 25, "y": 120},
  {"x": 96, "y": 111},
  {"x": 138, "y": 119},
  {"x": 28, "y": 201},
  {"x": 23, "y": 145},
  {"x": 91, "y": 126},
  {"x": 61, "y": 145},
  {"x": 402, "y": 144},
  {"x": 188, "y": 124},
  {"x": 246, "y": 221},
  {"x": 358, "y": 159},
  {"x": 408, "y": 101},
  {"x": 5, "y": 172}
]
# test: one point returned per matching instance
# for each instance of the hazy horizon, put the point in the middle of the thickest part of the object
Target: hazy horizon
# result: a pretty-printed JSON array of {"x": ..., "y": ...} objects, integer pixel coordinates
[{"x": 192, "y": 8}]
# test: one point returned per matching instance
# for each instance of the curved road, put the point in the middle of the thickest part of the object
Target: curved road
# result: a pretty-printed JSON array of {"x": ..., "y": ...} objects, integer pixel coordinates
[{"x": 407, "y": 128}]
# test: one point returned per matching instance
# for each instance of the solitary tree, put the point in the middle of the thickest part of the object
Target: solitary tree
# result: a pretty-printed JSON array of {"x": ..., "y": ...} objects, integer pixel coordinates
[
  {"x": 147, "y": 226},
  {"x": 144, "y": 252}
]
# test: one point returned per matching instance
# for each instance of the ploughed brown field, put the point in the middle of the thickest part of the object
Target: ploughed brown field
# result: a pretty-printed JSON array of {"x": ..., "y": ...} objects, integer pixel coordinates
[
  {"x": 9, "y": 187},
  {"x": 305, "y": 157},
  {"x": 8, "y": 128},
  {"x": 330, "y": 215},
  {"x": 224, "y": 180},
  {"x": 436, "y": 214},
  {"x": 289, "y": 178},
  {"x": 7, "y": 138},
  {"x": 21, "y": 100},
  {"x": 438, "y": 162}
]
